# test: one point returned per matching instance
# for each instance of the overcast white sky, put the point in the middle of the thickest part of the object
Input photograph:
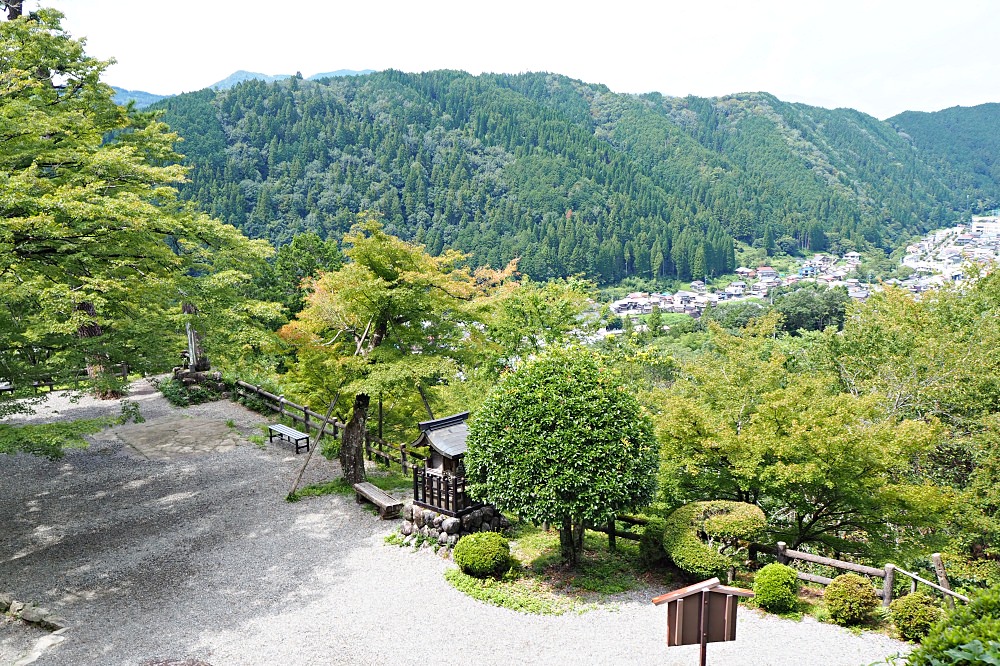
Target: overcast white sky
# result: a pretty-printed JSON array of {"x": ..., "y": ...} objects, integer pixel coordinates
[{"x": 880, "y": 57}]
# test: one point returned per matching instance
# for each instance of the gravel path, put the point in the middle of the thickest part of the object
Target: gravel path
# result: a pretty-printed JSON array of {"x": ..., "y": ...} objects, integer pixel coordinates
[{"x": 198, "y": 557}]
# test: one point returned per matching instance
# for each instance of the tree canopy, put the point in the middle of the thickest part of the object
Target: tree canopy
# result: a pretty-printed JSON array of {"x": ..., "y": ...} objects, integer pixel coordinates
[
  {"x": 97, "y": 256},
  {"x": 561, "y": 440}
]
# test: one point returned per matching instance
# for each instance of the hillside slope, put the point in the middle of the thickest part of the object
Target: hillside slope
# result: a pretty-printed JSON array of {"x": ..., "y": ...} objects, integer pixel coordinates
[{"x": 567, "y": 175}]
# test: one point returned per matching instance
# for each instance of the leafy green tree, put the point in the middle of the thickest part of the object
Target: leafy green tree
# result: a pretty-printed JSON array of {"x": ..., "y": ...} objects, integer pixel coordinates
[
  {"x": 300, "y": 260},
  {"x": 97, "y": 258},
  {"x": 812, "y": 308},
  {"x": 560, "y": 440},
  {"x": 392, "y": 319},
  {"x": 826, "y": 467}
]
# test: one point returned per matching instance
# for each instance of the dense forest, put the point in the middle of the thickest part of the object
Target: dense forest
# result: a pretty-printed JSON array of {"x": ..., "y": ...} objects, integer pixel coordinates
[{"x": 571, "y": 177}]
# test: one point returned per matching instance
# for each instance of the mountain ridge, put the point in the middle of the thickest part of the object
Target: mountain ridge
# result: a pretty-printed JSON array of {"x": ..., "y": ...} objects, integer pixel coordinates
[{"x": 567, "y": 175}]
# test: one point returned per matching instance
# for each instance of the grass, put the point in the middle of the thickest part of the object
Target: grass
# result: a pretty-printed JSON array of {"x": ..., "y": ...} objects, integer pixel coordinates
[
  {"x": 539, "y": 582},
  {"x": 50, "y": 439},
  {"x": 387, "y": 480}
]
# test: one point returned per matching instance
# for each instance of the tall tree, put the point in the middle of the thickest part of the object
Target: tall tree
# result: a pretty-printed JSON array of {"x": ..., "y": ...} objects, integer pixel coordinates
[
  {"x": 96, "y": 254},
  {"x": 392, "y": 318}
]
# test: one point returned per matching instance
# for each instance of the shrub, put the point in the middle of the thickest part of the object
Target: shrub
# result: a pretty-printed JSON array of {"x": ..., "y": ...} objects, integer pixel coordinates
[
  {"x": 776, "y": 588},
  {"x": 727, "y": 523},
  {"x": 914, "y": 615},
  {"x": 970, "y": 634},
  {"x": 177, "y": 393},
  {"x": 483, "y": 554},
  {"x": 851, "y": 599},
  {"x": 651, "y": 550}
]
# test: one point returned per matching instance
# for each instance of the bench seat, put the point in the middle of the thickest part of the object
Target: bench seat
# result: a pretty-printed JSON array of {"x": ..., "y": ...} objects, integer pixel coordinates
[
  {"x": 289, "y": 434},
  {"x": 388, "y": 506}
]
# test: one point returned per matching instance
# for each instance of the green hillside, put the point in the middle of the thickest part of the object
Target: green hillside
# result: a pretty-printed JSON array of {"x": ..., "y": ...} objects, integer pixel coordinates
[
  {"x": 964, "y": 141},
  {"x": 568, "y": 176}
]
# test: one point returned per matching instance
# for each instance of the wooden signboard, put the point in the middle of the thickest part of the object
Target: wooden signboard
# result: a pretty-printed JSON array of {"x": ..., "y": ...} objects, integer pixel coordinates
[{"x": 701, "y": 613}]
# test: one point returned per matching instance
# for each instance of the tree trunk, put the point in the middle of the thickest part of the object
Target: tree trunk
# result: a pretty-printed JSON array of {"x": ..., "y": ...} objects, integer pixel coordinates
[
  {"x": 13, "y": 8},
  {"x": 352, "y": 446},
  {"x": 571, "y": 540}
]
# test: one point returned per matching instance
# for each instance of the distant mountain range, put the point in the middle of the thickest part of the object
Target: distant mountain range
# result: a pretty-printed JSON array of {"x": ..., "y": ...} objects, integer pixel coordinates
[
  {"x": 573, "y": 178},
  {"x": 143, "y": 99}
]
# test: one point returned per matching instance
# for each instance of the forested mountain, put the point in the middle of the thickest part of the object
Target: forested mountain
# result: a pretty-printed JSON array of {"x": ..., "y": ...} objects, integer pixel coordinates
[
  {"x": 567, "y": 175},
  {"x": 963, "y": 140}
]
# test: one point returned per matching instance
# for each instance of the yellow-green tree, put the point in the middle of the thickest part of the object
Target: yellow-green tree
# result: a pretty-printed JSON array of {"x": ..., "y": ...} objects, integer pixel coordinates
[{"x": 827, "y": 467}]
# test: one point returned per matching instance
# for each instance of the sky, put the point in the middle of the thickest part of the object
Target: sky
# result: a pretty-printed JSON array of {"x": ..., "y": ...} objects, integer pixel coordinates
[{"x": 880, "y": 57}]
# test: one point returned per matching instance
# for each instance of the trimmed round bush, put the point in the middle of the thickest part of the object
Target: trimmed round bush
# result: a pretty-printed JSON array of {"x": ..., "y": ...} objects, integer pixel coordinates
[
  {"x": 776, "y": 588},
  {"x": 851, "y": 599},
  {"x": 969, "y": 634},
  {"x": 914, "y": 615},
  {"x": 483, "y": 554},
  {"x": 727, "y": 523}
]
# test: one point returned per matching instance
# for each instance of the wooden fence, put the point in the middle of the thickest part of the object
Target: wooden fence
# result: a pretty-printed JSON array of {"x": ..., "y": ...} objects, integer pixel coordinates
[
  {"x": 300, "y": 415},
  {"x": 444, "y": 494},
  {"x": 71, "y": 378},
  {"x": 611, "y": 529},
  {"x": 887, "y": 574},
  {"x": 309, "y": 420}
]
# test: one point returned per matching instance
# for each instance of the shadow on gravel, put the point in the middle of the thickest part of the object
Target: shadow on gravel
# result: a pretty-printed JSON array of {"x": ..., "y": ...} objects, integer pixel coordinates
[{"x": 141, "y": 556}]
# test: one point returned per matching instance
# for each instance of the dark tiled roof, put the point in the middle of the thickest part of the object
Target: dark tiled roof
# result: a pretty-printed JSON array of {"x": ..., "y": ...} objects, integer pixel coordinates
[{"x": 447, "y": 435}]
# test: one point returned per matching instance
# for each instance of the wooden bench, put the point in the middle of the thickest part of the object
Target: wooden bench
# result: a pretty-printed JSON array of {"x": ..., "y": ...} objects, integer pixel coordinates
[
  {"x": 388, "y": 506},
  {"x": 289, "y": 434}
]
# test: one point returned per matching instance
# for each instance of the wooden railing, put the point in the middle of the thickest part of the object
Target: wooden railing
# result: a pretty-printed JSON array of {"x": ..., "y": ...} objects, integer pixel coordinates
[
  {"x": 389, "y": 453},
  {"x": 301, "y": 415},
  {"x": 69, "y": 378},
  {"x": 444, "y": 494},
  {"x": 785, "y": 554}
]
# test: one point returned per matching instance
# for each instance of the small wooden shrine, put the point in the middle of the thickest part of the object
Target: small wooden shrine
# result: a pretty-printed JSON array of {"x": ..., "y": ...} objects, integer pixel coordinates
[{"x": 440, "y": 485}]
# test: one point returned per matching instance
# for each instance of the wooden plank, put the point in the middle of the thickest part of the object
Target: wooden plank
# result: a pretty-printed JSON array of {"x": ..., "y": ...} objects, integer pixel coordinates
[
  {"x": 934, "y": 585},
  {"x": 837, "y": 564},
  {"x": 813, "y": 578}
]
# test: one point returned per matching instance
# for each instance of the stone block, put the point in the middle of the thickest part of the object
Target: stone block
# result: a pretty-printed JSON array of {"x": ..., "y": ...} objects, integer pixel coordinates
[
  {"x": 15, "y": 607},
  {"x": 6, "y": 599},
  {"x": 32, "y": 614},
  {"x": 438, "y": 519},
  {"x": 54, "y": 623},
  {"x": 451, "y": 525},
  {"x": 443, "y": 538}
]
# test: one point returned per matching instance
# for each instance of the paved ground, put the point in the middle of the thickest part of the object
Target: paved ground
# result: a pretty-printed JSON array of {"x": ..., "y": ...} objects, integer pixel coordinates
[{"x": 156, "y": 546}]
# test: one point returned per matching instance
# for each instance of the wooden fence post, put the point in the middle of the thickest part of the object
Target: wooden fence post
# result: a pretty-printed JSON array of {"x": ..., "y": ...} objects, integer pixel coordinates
[
  {"x": 402, "y": 456},
  {"x": 942, "y": 577},
  {"x": 281, "y": 405},
  {"x": 611, "y": 534},
  {"x": 305, "y": 418},
  {"x": 782, "y": 547},
  {"x": 890, "y": 574}
]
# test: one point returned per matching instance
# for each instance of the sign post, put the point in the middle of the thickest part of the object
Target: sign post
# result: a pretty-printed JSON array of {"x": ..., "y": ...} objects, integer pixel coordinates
[{"x": 701, "y": 613}]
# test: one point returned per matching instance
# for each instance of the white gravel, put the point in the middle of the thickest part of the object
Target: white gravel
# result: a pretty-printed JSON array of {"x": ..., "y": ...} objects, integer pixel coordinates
[{"x": 201, "y": 558}]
